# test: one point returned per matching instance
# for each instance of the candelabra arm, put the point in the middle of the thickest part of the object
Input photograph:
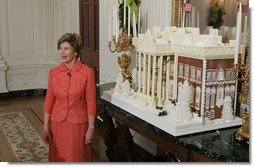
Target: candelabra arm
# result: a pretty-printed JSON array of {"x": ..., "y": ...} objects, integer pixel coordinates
[{"x": 122, "y": 44}]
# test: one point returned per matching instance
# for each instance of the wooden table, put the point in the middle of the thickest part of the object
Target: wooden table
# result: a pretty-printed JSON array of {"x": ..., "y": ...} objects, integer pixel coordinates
[{"x": 217, "y": 145}]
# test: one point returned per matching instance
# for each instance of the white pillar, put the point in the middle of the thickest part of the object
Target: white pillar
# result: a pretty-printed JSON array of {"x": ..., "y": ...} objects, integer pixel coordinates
[
  {"x": 175, "y": 76},
  {"x": 153, "y": 79},
  {"x": 139, "y": 72},
  {"x": 164, "y": 65},
  {"x": 159, "y": 85},
  {"x": 167, "y": 79},
  {"x": 144, "y": 73},
  {"x": 149, "y": 76}
]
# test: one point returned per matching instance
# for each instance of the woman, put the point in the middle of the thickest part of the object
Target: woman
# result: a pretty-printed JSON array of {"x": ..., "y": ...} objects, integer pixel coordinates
[{"x": 70, "y": 105}]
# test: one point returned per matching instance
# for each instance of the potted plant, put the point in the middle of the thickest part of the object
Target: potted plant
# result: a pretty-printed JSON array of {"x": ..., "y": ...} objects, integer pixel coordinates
[{"x": 216, "y": 13}]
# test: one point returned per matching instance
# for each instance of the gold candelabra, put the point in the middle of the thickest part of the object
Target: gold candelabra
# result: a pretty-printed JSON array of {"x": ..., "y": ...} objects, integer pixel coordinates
[
  {"x": 177, "y": 13},
  {"x": 243, "y": 70},
  {"x": 123, "y": 44}
]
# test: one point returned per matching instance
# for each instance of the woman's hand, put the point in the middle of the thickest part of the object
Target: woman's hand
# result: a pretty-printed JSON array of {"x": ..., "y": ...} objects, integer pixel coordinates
[
  {"x": 47, "y": 136},
  {"x": 46, "y": 128},
  {"x": 89, "y": 135}
]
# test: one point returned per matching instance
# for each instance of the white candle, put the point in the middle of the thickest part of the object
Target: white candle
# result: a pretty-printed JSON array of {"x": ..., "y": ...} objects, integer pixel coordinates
[
  {"x": 184, "y": 13},
  {"x": 109, "y": 28},
  {"x": 139, "y": 15},
  {"x": 244, "y": 39},
  {"x": 193, "y": 16},
  {"x": 134, "y": 25},
  {"x": 114, "y": 20},
  {"x": 124, "y": 13},
  {"x": 198, "y": 19},
  {"x": 236, "y": 45},
  {"x": 189, "y": 19},
  {"x": 183, "y": 24},
  {"x": 117, "y": 27},
  {"x": 238, "y": 33},
  {"x": 146, "y": 20},
  {"x": 129, "y": 20}
]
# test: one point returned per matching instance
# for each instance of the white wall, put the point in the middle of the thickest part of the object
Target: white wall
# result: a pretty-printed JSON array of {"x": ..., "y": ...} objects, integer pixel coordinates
[
  {"x": 159, "y": 14},
  {"x": 29, "y": 31}
]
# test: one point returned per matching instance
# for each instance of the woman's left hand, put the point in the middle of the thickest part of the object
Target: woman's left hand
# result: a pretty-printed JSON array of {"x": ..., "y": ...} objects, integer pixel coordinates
[{"x": 89, "y": 136}]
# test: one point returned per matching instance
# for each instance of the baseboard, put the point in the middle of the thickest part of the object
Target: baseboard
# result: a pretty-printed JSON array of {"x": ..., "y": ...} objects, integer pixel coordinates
[{"x": 23, "y": 93}]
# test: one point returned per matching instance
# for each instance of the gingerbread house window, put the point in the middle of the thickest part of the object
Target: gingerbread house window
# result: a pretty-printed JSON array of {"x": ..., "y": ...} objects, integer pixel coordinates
[
  {"x": 227, "y": 91},
  {"x": 232, "y": 91},
  {"x": 192, "y": 95},
  {"x": 212, "y": 115},
  {"x": 220, "y": 76},
  {"x": 192, "y": 76},
  {"x": 171, "y": 68},
  {"x": 186, "y": 71},
  {"x": 233, "y": 75},
  {"x": 214, "y": 75},
  {"x": 213, "y": 93},
  {"x": 180, "y": 70},
  {"x": 220, "y": 96},
  {"x": 198, "y": 76},
  {"x": 198, "y": 98},
  {"x": 209, "y": 76},
  {"x": 207, "y": 98},
  {"x": 208, "y": 114},
  {"x": 228, "y": 74}
]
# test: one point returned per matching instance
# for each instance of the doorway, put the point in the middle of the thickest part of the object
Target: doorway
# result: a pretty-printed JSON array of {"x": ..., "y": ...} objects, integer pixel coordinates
[{"x": 89, "y": 31}]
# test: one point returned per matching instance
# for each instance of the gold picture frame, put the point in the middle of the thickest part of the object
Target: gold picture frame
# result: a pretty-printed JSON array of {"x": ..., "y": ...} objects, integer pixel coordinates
[{"x": 177, "y": 13}]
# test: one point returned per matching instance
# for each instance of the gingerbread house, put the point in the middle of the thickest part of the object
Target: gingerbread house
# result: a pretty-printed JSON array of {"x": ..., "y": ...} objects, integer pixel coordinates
[{"x": 166, "y": 59}]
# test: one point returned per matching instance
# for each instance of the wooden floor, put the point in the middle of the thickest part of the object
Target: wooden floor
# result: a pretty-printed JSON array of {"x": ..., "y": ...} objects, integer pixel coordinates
[{"x": 36, "y": 103}]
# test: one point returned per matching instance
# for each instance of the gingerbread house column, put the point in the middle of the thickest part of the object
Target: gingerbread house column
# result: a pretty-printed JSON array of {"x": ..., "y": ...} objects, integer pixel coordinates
[
  {"x": 149, "y": 76},
  {"x": 139, "y": 72},
  {"x": 144, "y": 74},
  {"x": 202, "y": 108},
  {"x": 167, "y": 80},
  {"x": 153, "y": 80},
  {"x": 159, "y": 84}
]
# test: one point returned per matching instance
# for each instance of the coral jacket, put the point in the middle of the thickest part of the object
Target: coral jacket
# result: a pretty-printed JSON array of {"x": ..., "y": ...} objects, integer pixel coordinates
[{"x": 71, "y": 93}]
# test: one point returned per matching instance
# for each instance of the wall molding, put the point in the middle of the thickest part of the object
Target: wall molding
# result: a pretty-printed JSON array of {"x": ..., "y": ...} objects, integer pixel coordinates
[{"x": 28, "y": 40}]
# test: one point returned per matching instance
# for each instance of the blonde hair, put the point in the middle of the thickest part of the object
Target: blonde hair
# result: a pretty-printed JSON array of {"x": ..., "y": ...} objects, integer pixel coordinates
[{"x": 74, "y": 40}]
